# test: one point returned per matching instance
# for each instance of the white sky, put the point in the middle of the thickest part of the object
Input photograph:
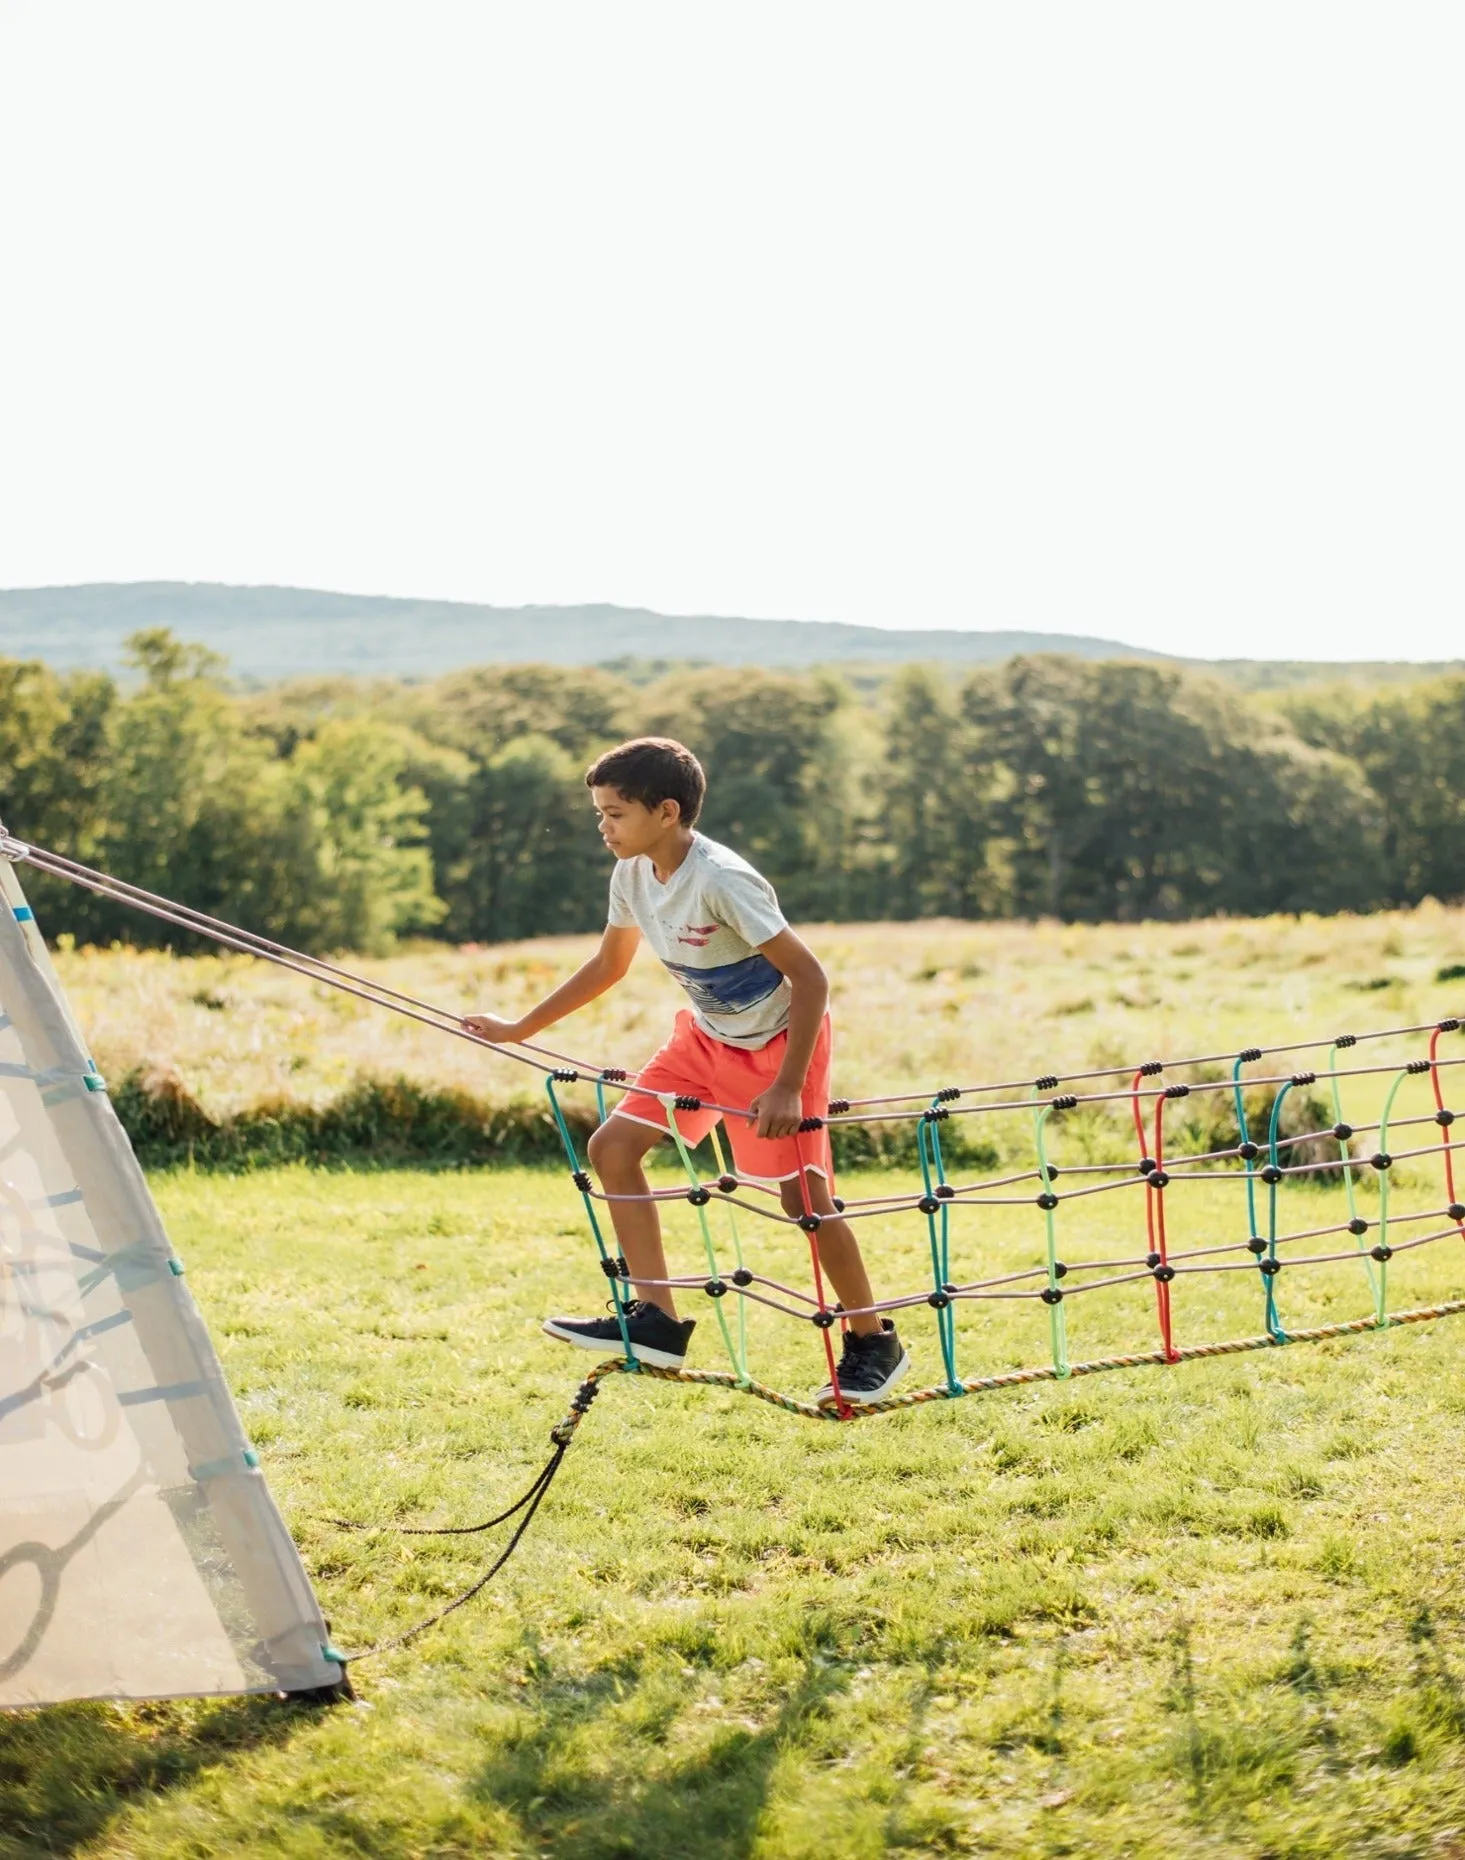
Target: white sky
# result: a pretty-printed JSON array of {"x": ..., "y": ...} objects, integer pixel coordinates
[{"x": 1138, "y": 320}]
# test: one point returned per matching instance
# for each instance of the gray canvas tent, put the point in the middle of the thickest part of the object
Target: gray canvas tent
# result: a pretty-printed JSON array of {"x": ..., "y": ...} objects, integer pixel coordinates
[{"x": 141, "y": 1555}]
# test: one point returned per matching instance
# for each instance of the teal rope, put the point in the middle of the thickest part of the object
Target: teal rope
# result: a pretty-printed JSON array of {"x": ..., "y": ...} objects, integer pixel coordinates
[
  {"x": 1250, "y": 1161},
  {"x": 938, "y": 1227},
  {"x": 617, "y": 1293},
  {"x": 1274, "y": 1327}
]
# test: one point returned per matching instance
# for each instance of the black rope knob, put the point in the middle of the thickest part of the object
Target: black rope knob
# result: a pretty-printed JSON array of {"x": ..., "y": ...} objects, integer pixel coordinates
[
  {"x": 684, "y": 1101},
  {"x": 583, "y": 1396},
  {"x": 938, "y": 1301},
  {"x": 936, "y": 1115},
  {"x": 948, "y": 1094},
  {"x": 715, "y": 1288},
  {"x": 727, "y": 1183},
  {"x": 611, "y": 1268},
  {"x": 1256, "y": 1245},
  {"x": 1152, "y": 1260},
  {"x": 1164, "y": 1274},
  {"x": 1248, "y": 1151},
  {"x": 1177, "y": 1091},
  {"x": 1381, "y": 1253},
  {"x": 837, "y": 1107},
  {"x": 1345, "y": 1040},
  {"x": 1066, "y": 1103},
  {"x": 1357, "y": 1226},
  {"x": 823, "y": 1320},
  {"x": 1249, "y": 1054},
  {"x": 928, "y": 1204},
  {"x": 1383, "y": 1160},
  {"x": 614, "y": 1075},
  {"x": 1159, "y": 1179},
  {"x": 811, "y": 1223},
  {"x": 807, "y": 1124},
  {"x": 1450, "y": 1025},
  {"x": 581, "y": 1181},
  {"x": 742, "y": 1276},
  {"x": 1048, "y": 1082},
  {"x": 1271, "y": 1173},
  {"x": 1047, "y": 1201},
  {"x": 1342, "y": 1132},
  {"x": 945, "y": 1192},
  {"x": 838, "y": 1204},
  {"x": 1456, "y": 1211},
  {"x": 1416, "y": 1067},
  {"x": 1444, "y": 1119},
  {"x": 699, "y": 1196},
  {"x": 1052, "y": 1172},
  {"x": 1270, "y": 1267},
  {"x": 1060, "y": 1271},
  {"x": 1051, "y": 1295},
  {"x": 1152, "y": 1068},
  {"x": 1147, "y": 1165},
  {"x": 1304, "y": 1078},
  {"x": 564, "y": 1075}
]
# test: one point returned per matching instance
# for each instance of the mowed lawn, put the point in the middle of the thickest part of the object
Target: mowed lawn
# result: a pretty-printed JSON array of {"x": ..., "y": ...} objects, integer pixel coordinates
[{"x": 1213, "y": 1609}]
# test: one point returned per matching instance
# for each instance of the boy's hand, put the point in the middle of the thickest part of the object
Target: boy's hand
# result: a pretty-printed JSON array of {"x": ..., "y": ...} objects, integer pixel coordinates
[
  {"x": 780, "y": 1111},
  {"x": 490, "y": 1027}
]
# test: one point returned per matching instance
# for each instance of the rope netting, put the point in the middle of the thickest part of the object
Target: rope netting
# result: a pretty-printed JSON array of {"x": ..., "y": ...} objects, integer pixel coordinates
[{"x": 1263, "y": 1163}]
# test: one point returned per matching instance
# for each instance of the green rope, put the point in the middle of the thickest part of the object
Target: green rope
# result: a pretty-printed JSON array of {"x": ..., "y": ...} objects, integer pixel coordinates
[
  {"x": 938, "y": 1229},
  {"x": 617, "y": 1290},
  {"x": 737, "y": 1352},
  {"x": 1057, "y": 1323},
  {"x": 1383, "y": 1240},
  {"x": 1345, "y": 1153}
]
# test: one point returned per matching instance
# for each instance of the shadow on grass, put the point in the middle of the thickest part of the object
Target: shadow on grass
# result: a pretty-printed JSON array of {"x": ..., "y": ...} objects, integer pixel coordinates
[
  {"x": 572, "y": 1783},
  {"x": 66, "y": 1772}
]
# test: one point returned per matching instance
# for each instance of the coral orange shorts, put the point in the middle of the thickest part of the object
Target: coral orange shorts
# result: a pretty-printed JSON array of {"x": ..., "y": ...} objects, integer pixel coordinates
[{"x": 692, "y": 1064}]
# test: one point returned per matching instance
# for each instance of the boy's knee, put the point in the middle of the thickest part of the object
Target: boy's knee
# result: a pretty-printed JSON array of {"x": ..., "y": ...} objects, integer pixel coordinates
[
  {"x": 615, "y": 1146},
  {"x": 791, "y": 1194}
]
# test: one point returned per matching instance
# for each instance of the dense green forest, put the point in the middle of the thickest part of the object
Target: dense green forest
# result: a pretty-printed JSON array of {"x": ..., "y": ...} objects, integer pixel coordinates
[{"x": 339, "y": 813}]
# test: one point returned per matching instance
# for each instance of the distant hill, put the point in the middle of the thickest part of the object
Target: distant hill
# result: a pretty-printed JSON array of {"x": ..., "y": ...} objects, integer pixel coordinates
[{"x": 273, "y": 633}]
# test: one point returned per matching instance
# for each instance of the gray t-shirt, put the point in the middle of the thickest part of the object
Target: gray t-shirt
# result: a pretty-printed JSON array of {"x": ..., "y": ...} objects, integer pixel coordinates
[{"x": 705, "y": 923}]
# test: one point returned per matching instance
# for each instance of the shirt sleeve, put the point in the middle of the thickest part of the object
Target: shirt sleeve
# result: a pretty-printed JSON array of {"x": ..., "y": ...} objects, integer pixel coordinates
[
  {"x": 748, "y": 904},
  {"x": 620, "y": 916}
]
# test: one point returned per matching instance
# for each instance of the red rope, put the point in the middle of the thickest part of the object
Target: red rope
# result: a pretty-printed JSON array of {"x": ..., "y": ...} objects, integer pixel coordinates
[
  {"x": 1439, "y": 1105},
  {"x": 1155, "y": 1198}
]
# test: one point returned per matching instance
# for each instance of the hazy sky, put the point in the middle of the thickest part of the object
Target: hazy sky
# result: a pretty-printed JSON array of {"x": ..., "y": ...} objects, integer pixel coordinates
[{"x": 1140, "y": 320}]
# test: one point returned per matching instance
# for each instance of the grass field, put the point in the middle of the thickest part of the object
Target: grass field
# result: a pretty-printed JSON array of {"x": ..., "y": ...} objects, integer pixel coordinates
[{"x": 1212, "y": 1609}]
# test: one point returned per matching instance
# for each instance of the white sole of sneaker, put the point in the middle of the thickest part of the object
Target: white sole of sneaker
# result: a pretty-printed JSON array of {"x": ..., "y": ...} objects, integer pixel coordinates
[
  {"x": 659, "y": 1359},
  {"x": 825, "y": 1398}
]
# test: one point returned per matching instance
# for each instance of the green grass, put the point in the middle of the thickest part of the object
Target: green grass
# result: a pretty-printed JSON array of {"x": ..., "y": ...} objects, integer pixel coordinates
[{"x": 1209, "y": 1610}]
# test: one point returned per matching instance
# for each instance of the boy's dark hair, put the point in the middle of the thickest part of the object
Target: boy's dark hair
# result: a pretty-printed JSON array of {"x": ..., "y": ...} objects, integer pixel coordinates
[{"x": 653, "y": 769}]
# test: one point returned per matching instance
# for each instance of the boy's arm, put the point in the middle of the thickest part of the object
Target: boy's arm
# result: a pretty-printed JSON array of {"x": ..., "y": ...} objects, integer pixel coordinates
[
  {"x": 780, "y": 1108},
  {"x": 605, "y": 968}
]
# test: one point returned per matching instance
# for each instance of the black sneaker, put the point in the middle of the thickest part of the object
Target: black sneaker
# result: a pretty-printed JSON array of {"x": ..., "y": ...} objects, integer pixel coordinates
[
  {"x": 870, "y": 1367},
  {"x": 655, "y": 1337}
]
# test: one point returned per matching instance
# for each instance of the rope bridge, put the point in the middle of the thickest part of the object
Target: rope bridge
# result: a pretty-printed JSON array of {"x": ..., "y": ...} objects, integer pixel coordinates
[{"x": 1264, "y": 1160}]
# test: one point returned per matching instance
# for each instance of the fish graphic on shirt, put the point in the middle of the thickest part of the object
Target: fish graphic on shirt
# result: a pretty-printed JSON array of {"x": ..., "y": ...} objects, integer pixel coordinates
[
  {"x": 698, "y": 935},
  {"x": 731, "y": 987}
]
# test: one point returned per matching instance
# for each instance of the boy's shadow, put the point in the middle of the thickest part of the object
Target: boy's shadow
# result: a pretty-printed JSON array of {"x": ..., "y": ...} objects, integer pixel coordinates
[{"x": 67, "y": 1771}]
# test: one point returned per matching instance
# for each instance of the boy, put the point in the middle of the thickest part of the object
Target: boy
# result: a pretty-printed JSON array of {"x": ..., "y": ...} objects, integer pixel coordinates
[{"x": 756, "y": 1037}]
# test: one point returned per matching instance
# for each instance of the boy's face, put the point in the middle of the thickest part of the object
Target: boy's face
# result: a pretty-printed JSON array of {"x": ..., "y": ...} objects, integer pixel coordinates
[{"x": 630, "y": 827}]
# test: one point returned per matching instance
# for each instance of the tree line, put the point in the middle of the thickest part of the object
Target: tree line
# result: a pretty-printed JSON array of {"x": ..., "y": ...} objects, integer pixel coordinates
[{"x": 335, "y": 813}]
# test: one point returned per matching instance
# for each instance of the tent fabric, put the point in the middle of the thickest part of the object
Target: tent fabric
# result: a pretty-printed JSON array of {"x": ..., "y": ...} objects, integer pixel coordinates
[{"x": 141, "y": 1555}]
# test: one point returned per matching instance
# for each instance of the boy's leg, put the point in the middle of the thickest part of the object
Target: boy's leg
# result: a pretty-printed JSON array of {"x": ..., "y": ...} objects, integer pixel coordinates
[
  {"x": 617, "y": 1151},
  {"x": 839, "y": 1251}
]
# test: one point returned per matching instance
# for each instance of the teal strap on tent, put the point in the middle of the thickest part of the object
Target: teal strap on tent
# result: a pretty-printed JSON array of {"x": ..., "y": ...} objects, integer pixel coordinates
[
  {"x": 1250, "y": 1161},
  {"x": 717, "y": 1287},
  {"x": 1268, "y": 1263},
  {"x": 608, "y": 1264},
  {"x": 1053, "y": 1291},
  {"x": 1356, "y": 1226},
  {"x": 937, "y": 1209}
]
